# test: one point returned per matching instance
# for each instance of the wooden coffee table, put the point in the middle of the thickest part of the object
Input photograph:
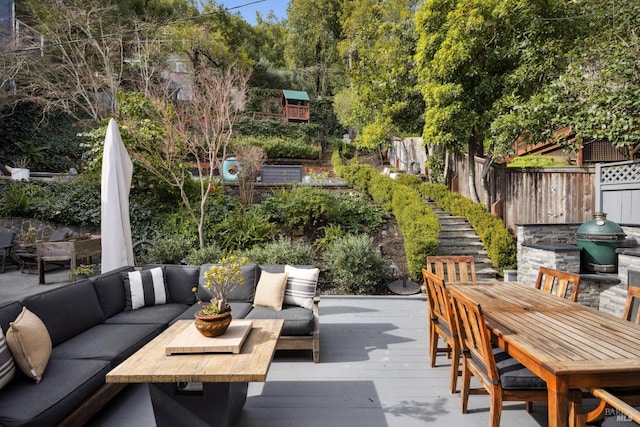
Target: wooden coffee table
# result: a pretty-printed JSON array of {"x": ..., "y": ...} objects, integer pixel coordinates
[{"x": 200, "y": 389}]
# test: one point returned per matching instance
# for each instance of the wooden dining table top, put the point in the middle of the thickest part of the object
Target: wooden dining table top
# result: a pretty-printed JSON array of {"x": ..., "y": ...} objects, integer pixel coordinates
[{"x": 567, "y": 344}]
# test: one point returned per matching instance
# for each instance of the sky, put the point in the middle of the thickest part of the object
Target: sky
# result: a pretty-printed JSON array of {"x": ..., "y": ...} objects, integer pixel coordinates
[{"x": 250, "y": 7}]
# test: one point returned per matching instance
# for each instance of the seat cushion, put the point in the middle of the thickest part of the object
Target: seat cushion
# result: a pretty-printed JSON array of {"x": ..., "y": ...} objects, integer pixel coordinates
[
  {"x": 513, "y": 375},
  {"x": 110, "y": 342},
  {"x": 65, "y": 385},
  {"x": 297, "y": 320},
  {"x": 158, "y": 314}
]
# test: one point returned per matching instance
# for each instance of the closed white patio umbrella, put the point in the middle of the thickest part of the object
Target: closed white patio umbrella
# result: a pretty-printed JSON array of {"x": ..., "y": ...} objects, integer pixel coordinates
[{"x": 117, "y": 171}]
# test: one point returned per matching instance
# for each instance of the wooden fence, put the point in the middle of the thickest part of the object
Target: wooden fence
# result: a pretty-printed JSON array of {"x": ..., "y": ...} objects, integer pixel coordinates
[{"x": 549, "y": 195}]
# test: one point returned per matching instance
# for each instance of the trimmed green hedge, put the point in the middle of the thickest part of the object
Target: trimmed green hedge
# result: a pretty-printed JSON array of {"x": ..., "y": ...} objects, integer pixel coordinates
[
  {"x": 418, "y": 223},
  {"x": 498, "y": 241}
]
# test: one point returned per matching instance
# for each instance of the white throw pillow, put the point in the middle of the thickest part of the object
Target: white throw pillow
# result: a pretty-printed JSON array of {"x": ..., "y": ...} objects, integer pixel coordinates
[{"x": 301, "y": 286}]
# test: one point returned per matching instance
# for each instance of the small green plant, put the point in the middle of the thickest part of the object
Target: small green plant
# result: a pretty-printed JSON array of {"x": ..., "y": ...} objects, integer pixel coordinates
[
  {"x": 354, "y": 266},
  {"x": 85, "y": 270},
  {"x": 206, "y": 255},
  {"x": 332, "y": 233},
  {"x": 222, "y": 278},
  {"x": 284, "y": 251},
  {"x": 170, "y": 250},
  {"x": 242, "y": 230}
]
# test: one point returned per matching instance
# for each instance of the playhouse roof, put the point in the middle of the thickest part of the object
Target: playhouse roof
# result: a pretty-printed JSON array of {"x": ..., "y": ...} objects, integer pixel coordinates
[{"x": 298, "y": 95}]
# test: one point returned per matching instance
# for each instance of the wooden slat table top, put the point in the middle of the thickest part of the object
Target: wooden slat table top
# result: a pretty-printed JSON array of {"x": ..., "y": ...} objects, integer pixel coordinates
[
  {"x": 563, "y": 336},
  {"x": 569, "y": 345},
  {"x": 151, "y": 364}
]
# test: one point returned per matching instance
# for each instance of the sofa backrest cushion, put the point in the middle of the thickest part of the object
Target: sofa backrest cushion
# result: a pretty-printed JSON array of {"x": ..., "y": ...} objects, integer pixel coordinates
[
  {"x": 180, "y": 279},
  {"x": 243, "y": 293},
  {"x": 110, "y": 290},
  {"x": 68, "y": 310},
  {"x": 8, "y": 313}
]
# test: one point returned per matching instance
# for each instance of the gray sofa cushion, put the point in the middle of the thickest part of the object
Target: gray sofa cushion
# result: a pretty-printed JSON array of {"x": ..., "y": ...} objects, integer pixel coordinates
[
  {"x": 180, "y": 279},
  {"x": 159, "y": 314},
  {"x": 8, "y": 313},
  {"x": 68, "y": 310},
  {"x": 65, "y": 385},
  {"x": 110, "y": 290},
  {"x": 110, "y": 342},
  {"x": 243, "y": 293},
  {"x": 297, "y": 320}
]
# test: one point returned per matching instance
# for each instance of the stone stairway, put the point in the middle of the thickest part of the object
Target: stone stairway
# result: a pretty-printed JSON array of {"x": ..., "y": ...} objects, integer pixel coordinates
[{"x": 457, "y": 237}]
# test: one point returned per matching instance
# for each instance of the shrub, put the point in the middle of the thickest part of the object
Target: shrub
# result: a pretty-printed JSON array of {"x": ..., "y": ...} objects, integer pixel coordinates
[
  {"x": 283, "y": 251},
  {"x": 418, "y": 223},
  {"x": 354, "y": 214},
  {"x": 170, "y": 250},
  {"x": 332, "y": 233},
  {"x": 354, "y": 266},
  {"x": 207, "y": 255},
  {"x": 243, "y": 229},
  {"x": 306, "y": 209},
  {"x": 279, "y": 148}
]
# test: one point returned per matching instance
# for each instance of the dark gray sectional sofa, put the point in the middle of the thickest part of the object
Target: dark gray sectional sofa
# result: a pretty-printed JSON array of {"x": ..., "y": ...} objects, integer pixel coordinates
[{"x": 91, "y": 333}]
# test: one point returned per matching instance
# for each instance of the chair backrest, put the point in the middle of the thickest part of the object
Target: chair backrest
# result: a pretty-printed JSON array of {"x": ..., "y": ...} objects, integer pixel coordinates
[
  {"x": 631, "y": 311},
  {"x": 60, "y": 234},
  {"x": 439, "y": 301},
  {"x": 453, "y": 269},
  {"x": 558, "y": 283},
  {"x": 6, "y": 238},
  {"x": 474, "y": 335}
]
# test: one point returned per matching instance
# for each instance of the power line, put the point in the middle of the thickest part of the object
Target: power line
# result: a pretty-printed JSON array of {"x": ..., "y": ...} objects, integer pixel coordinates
[{"x": 121, "y": 33}]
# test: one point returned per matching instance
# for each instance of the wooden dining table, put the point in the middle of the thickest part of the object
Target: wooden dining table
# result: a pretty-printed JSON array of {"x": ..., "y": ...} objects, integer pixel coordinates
[{"x": 569, "y": 345}]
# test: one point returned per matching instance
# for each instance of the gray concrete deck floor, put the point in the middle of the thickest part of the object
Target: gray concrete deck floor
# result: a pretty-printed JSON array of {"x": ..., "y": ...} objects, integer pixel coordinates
[{"x": 374, "y": 372}]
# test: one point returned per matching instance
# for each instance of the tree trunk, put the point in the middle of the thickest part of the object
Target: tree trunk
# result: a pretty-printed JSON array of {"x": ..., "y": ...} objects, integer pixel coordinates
[{"x": 473, "y": 191}]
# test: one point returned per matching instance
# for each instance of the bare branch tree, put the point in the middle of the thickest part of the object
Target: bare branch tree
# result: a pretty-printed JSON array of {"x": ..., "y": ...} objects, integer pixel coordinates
[
  {"x": 197, "y": 130},
  {"x": 81, "y": 62},
  {"x": 251, "y": 160}
]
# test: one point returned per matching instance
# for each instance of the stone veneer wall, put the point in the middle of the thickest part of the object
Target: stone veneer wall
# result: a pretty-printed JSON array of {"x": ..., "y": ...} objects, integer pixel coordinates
[
  {"x": 43, "y": 228},
  {"x": 553, "y": 245}
]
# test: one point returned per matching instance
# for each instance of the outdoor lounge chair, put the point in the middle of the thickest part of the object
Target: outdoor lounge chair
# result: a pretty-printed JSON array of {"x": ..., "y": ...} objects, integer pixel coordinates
[{"x": 56, "y": 236}]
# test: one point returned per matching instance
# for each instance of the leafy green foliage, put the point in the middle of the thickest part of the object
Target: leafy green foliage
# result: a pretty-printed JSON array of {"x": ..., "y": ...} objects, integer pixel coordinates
[
  {"x": 307, "y": 132},
  {"x": 242, "y": 229},
  {"x": 169, "y": 250},
  {"x": 48, "y": 143},
  {"x": 355, "y": 266},
  {"x": 280, "y": 148},
  {"x": 283, "y": 251},
  {"x": 207, "y": 255},
  {"x": 419, "y": 224}
]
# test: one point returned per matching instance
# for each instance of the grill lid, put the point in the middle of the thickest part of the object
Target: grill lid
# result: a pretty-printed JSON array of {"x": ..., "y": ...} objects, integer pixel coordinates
[{"x": 600, "y": 229}]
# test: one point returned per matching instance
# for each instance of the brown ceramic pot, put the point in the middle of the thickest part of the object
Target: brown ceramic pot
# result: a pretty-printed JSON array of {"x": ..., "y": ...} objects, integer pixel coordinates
[{"x": 212, "y": 325}]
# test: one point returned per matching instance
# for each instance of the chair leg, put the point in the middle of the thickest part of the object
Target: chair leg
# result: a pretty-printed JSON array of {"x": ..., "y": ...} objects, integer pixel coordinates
[
  {"x": 466, "y": 383},
  {"x": 495, "y": 410},
  {"x": 528, "y": 406},
  {"x": 433, "y": 347},
  {"x": 455, "y": 368}
]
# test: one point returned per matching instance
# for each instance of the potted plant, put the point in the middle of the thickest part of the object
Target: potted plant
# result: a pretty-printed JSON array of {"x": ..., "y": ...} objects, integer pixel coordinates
[
  {"x": 222, "y": 278},
  {"x": 83, "y": 271}
]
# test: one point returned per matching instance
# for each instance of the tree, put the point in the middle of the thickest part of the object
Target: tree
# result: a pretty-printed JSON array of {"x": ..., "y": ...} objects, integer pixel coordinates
[
  {"x": 191, "y": 134},
  {"x": 596, "y": 94},
  {"x": 313, "y": 34},
  {"x": 379, "y": 46},
  {"x": 474, "y": 58}
]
